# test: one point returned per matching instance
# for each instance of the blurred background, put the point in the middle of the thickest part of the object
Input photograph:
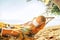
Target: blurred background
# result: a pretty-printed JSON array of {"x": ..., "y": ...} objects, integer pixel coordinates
[{"x": 21, "y": 11}]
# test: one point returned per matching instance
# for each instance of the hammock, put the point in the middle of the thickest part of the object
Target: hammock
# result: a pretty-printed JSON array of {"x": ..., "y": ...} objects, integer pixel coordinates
[{"x": 17, "y": 32}]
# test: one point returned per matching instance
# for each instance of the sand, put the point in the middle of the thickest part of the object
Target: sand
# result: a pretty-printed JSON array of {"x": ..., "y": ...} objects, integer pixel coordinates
[{"x": 49, "y": 33}]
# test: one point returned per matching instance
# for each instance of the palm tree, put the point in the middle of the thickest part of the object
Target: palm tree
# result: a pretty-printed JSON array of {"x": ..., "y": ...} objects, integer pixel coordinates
[{"x": 53, "y": 6}]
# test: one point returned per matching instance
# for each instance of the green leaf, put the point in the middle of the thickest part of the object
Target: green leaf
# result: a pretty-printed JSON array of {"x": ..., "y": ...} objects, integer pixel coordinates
[{"x": 55, "y": 10}]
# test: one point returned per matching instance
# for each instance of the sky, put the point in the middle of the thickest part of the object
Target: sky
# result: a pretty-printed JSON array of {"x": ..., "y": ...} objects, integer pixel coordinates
[{"x": 20, "y": 11}]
